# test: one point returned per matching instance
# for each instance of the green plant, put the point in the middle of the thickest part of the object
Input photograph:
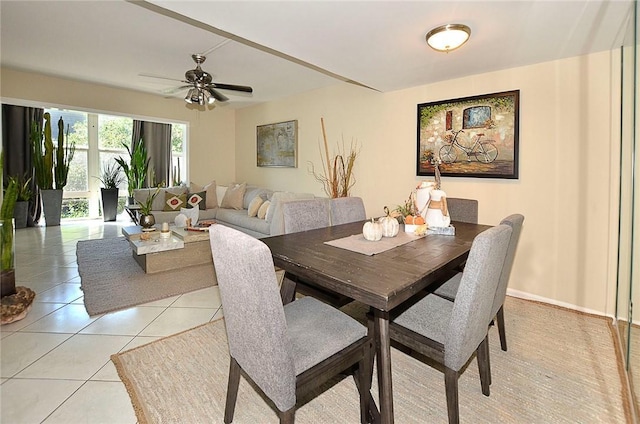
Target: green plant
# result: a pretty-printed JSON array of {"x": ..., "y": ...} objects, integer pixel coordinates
[
  {"x": 42, "y": 160},
  {"x": 137, "y": 167},
  {"x": 6, "y": 214},
  {"x": 111, "y": 176},
  {"x": 145, "y": 207},
  {"x": 64, "y": 156},
  {"x": 24, "y": 190}
]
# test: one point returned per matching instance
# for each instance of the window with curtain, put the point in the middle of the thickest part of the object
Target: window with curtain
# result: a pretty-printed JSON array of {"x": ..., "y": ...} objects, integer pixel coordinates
[{"x": 99, "y": 139}]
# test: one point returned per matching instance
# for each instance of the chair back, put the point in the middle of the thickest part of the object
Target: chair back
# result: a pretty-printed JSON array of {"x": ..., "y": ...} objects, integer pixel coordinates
[
  {"x": 463, "y": 210},
  {"x": 253, "y": 313},
  {"x": 304, "y": 215},
  {"x": 347, "y": 209},
  {"x": 472, "y": 307},
  {"x": 515, "y": 222}
]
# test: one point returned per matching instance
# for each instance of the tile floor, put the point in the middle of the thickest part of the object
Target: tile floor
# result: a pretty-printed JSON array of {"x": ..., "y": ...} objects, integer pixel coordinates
[{"x": 54, "y": 364}]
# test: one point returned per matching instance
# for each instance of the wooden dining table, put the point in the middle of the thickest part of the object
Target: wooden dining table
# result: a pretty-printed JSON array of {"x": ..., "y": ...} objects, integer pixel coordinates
[{"x": 382, "y": 281}]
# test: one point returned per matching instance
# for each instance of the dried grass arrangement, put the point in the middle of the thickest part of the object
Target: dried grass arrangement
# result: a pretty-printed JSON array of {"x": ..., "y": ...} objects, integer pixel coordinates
[{"x": 336, "y": 176}]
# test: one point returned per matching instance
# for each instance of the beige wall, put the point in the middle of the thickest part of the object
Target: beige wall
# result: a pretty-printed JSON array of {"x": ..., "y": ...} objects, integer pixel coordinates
[
  {"x": 568, "y": 159},
  {"x": 211, "y": 133}
]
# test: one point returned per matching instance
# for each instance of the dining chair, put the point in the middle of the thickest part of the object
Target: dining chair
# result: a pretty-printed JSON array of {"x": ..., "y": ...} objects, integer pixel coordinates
[
  {"x": 307, "y": 214},
  {"x": 347, "y": 209},
  {"x": 450, "y": 333},
  {"x": 287, "y": 351},
  {"x": 449, "y": 289},
  {"x": 463, "y": 210}
]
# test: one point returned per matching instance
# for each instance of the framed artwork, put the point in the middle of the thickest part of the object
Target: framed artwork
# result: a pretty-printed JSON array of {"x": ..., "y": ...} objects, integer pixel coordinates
[
  {"x": 277, "y": 144},
  {"x": 470, "y": 137}
]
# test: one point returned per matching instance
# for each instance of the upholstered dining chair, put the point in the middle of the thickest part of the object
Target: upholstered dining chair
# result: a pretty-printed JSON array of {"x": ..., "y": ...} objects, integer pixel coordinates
[
  {"x": 304, "y": 215},
  {"x": 463, "y": 210},
  {"x": 287, "y": 351},
  {"x": 450, "y": 333},
  {"x": 347, "y": 209},
  {"x": 449, "y": 289}
]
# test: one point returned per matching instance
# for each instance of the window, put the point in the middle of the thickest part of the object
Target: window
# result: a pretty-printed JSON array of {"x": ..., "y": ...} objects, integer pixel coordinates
[{"x": 99, "y": 138}]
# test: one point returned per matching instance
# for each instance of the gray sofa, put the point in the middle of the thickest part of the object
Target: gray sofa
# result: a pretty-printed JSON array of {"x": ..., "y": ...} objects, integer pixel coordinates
[{"x": 272, "y": 224}]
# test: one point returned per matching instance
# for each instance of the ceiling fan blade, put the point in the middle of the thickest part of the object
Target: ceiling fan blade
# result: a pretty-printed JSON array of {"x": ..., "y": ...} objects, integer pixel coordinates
[
  {"x": 217, "y": 95},
  {"x": 174, "y": 90},
  {"x": 160, "y": 77},
  {"x": 244, "y": 88}
]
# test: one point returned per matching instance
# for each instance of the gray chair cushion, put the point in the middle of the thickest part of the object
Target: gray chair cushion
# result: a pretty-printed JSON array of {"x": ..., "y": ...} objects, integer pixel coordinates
[
  {"x": 463, "y": 210},
  {"x": 304, "y": 215},
  {"x": 347, "y": 209},
  {"x": 429, "y": 317},
  {"x": 450, "y": 287},
  {"x": 317, "y": 331}
]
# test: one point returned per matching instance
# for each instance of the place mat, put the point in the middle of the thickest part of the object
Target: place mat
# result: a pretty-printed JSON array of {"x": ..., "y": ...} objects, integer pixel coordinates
[{"x": 357, "y": 243}]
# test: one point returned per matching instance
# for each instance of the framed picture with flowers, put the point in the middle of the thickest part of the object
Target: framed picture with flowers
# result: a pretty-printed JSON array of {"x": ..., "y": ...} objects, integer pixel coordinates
[{"x": 470, "y": 137}]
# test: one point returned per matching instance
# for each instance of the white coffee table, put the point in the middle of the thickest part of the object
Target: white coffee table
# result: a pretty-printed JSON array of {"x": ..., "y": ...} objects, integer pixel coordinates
[{"x": 182, "y": 249}]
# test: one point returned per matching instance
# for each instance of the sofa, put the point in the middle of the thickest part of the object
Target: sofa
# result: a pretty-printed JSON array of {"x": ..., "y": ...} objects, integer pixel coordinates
[{"x": 251, "y": 209}]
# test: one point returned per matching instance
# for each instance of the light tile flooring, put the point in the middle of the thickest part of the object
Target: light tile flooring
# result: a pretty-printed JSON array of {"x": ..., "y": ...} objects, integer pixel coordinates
[{"x": 55, "y": 365}]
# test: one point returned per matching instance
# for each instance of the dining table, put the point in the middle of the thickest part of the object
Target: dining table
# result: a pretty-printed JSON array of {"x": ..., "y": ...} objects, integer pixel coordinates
[{"x": 382, "y": 281}]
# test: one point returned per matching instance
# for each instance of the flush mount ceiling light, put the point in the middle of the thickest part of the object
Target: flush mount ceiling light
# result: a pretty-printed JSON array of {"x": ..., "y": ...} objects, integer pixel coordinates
[{"x": 448, "y": 37}]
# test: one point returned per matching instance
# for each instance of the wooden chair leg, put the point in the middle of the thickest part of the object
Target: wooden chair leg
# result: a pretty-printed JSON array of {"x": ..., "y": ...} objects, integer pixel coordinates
[
  {"x": 451, "y": 389},
  {"x": 288, "y": 416},
  {"x": 364, "y": 379},
  {"x": 501, "y": 330},
  {"x": 482, "y": 354},
  {"x": 232, "y": 390}
]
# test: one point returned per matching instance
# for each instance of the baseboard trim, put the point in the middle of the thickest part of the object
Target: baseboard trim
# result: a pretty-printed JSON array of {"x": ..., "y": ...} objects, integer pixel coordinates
[{"x": 528, "y": 296}]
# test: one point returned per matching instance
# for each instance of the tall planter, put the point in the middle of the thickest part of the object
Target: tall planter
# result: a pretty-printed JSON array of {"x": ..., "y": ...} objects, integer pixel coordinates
[
  {"x": 7, "y": 258},
  {"x": 20, "y": 212},
  {"x": 52, "y": 206},
  {"x": 109, "y": 203}
]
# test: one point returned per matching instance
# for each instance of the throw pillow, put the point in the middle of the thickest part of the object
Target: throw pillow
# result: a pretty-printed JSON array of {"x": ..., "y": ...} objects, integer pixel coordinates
[
  {"x": 173, "y": 202},
  {"x": 197, "y": 200},
  {"x": 269, "y": 213},
  {"x": 220, "y": 192},
  {"x": 262, "y": 212},
  {"x": 234, "y": 196},
  {"x": 254, "y": 205},
  {"x": 211, "y": 201},
  {"x": 193, "y": 213}
]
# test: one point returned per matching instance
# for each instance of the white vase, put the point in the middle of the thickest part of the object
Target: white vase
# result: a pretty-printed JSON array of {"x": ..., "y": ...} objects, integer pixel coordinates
[{"x": 437, "y": 214}]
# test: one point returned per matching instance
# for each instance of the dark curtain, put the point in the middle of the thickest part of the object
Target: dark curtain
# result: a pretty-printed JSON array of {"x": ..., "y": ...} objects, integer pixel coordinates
[
  {"x": 16, "y": 145},
  {"x": 157, "y": 139}
]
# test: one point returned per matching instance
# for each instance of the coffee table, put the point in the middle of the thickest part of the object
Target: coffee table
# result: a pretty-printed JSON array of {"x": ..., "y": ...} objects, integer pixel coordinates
[{"x": 182, "y": 249}]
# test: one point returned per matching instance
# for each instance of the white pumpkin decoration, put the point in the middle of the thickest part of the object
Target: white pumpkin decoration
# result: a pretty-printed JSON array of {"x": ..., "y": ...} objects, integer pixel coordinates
[
  {"x": 372, "y": 230},
  {"x": 390, "y": 226}
]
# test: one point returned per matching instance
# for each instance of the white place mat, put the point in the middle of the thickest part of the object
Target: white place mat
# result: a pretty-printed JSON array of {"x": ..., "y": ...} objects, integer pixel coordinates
[{"x": 357, "y": 243}]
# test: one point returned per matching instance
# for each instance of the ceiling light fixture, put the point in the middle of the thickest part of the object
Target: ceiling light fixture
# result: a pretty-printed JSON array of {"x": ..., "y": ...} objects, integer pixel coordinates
[
  {"x": 199, "y": 96},
  {"x": 448, "y": 37}
]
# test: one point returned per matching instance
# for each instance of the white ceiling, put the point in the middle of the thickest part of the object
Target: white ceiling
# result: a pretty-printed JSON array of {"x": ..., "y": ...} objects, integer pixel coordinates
[{"x": 281, "y": 48}]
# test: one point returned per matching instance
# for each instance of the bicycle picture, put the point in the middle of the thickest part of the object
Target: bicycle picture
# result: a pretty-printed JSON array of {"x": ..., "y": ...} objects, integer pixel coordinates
[
  {"x": 474, "y": 136},
  {"x": 483, "y": 151}
]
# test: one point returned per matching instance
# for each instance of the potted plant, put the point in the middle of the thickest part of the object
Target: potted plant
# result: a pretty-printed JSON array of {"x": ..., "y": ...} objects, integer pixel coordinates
[
  {"x": 136, "y": 169},
  {"x": 147, "y": 220},
  {"x": 110, "y": 178},
  {"x": 21, "y": 208},
  {"x": 7, "y": 246},
  {"x": 51, "y": 166}
]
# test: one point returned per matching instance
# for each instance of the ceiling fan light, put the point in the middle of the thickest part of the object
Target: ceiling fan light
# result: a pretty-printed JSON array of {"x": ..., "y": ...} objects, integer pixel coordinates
[
  {"x": 448, "y": 37},
  {"x": 209, "y": 99},
  {"x": 192, "y": 96}
]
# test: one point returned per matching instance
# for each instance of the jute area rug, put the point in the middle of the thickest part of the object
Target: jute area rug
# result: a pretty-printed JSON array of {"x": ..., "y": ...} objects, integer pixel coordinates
[
  {"x": 560, "y": 367},
  {"x": 112, "y": 280}
]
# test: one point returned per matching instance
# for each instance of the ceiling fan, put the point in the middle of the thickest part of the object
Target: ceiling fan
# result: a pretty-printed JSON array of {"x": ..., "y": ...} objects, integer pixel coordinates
[{"x": 202, "y": 89}]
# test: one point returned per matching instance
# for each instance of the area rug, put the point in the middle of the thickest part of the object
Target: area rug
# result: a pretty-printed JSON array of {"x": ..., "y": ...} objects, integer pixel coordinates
[
  {"x": 112, "y": 280},
  {"x": 560, "y": 367}
]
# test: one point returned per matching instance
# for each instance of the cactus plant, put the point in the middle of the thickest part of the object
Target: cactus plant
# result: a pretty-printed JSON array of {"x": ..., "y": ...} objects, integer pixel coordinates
[
  {"x": 42, "y": 161},
  {"x": 64, "y": 156}
]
